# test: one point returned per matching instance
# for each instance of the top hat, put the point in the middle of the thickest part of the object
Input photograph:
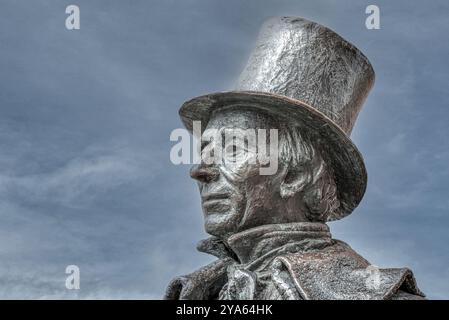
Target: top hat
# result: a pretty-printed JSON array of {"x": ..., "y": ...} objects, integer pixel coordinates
[{"x": 304, "y": 72}]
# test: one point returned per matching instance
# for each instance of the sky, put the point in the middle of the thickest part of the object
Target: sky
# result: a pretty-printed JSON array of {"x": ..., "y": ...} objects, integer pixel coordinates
[{"x": 86, "y": 115}]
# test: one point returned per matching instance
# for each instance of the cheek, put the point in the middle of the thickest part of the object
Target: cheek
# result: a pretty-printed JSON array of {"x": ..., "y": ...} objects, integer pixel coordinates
[
  {"x": 263, "y": 189},
  {"x": 242, "y": 170},
  {"x": 260, "y": 186}
]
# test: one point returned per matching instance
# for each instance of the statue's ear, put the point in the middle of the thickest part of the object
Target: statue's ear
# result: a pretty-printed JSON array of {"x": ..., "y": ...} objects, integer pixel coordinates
[{"x": 295, "y": 179}]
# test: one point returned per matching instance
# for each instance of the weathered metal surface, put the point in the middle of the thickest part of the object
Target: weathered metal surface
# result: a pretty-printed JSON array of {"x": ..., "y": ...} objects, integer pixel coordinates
[
  {"x": 308, "y": 74},
  {"x": 269, "y": 231}
]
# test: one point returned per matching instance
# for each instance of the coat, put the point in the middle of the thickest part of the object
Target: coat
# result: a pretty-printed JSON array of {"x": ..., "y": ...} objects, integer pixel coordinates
[{"x": 303, "y": 264}]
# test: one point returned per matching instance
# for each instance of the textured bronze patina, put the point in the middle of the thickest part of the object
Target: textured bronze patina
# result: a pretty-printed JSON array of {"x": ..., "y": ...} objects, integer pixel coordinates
[{"x": 269, "y": 233}]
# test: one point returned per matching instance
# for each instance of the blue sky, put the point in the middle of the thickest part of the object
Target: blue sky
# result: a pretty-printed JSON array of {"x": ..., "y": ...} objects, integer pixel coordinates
[{"x": 85, "y": 119}]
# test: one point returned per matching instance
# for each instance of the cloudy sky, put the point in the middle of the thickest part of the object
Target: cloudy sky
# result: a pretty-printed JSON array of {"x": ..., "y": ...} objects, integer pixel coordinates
[{"x": 85, "y": 119}]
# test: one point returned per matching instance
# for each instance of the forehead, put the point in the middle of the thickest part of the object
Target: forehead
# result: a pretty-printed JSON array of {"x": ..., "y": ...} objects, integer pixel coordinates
[{"x": 242, "y": 117}]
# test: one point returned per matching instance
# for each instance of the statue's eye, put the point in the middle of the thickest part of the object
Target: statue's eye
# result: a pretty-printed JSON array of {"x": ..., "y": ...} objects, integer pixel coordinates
[
  {"x": 231, "y": 150},
  {"x": 234, "y": 151}
]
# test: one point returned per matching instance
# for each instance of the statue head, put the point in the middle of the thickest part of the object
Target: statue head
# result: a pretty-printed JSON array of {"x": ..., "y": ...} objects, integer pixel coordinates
[
  {"x": 236, "y": 196},
  {"x": 309, "y": 83}
]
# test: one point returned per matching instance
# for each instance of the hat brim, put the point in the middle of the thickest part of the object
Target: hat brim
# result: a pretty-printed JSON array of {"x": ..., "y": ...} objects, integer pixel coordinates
[{"x": 340, "y": 152}]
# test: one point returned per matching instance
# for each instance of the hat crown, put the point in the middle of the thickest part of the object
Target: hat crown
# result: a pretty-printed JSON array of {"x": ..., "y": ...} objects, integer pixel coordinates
[{"x": 306, "y": 61}]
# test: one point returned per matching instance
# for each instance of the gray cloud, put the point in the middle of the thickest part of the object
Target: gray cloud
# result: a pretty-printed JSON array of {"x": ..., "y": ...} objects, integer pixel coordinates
[
  {"x": 79, "y": 180},
  {"x": 85, "y": 118}
]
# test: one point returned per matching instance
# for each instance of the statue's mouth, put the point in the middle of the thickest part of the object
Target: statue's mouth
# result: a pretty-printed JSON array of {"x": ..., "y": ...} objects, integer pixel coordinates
[{"x": 213, "y": 198}]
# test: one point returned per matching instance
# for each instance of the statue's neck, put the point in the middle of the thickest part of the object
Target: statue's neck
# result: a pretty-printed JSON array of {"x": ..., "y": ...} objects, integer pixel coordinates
[{"x": 254, "y": 243}]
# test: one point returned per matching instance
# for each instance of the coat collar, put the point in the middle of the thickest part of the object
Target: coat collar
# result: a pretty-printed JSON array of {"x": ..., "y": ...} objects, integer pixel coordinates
[
  {"x": 255, "y": 243},
  {"x": 320, "y": 268}
]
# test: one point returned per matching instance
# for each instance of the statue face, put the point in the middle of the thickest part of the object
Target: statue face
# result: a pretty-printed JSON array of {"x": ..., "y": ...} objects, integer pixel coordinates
[{"x": 234, "y": 195}]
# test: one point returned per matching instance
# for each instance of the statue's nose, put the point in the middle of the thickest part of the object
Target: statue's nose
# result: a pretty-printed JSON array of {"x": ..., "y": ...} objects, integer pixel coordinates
[{"x": 204, "y": 173}]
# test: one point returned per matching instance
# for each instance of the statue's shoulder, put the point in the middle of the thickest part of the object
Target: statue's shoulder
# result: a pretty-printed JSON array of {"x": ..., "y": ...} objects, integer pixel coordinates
[
  {"x": 338, "y": 272},
  {"x": 202, "y": 284}
]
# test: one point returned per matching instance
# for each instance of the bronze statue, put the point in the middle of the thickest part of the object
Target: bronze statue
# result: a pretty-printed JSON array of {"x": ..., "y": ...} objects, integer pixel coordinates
[{"x": 269, "y": 232}]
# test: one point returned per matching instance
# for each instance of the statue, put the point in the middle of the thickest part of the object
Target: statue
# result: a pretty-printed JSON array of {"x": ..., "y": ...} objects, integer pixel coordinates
[{"x": 269, "y": 232}]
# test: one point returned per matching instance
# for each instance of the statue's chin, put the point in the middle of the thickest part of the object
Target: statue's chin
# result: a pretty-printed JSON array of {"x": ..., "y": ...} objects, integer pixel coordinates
[{"x": 219, "y": 224}]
